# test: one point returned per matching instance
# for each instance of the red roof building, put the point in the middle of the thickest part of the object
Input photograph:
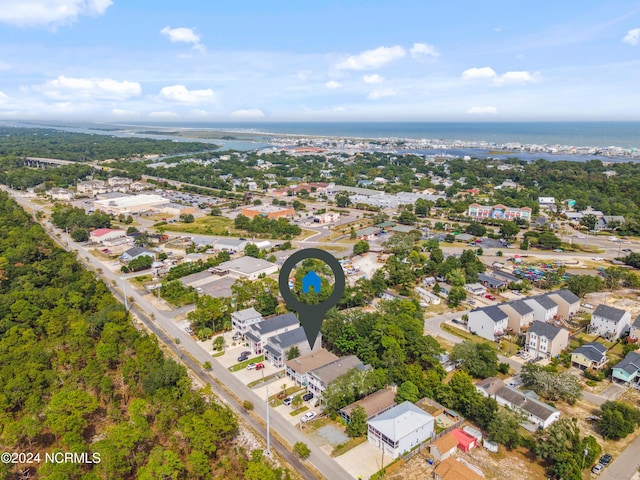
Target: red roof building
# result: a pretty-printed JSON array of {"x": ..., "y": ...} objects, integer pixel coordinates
[{"x": 465, "y": 441}]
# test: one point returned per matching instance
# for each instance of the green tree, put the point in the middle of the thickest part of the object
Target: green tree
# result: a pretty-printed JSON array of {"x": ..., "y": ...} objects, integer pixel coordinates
[
  {"x": 476, "y": 229},
  {"x": 296, "y": 401},
  {"x": 251, "y": 250},
  {"x": 187, "y": 218},
  {"x": 589, "y": 220},
  {"x": 361, "y": 247},
  {"x": 549, "y": 240},
  {"x": 456, "y": 296},
  {"x": 80, "y": 235},
  {"x": 407, "y": 392},
  {"x": 505, "y": 426},
  {"x": 618, "y": 419},
  {"x": 68, "y": 412},
  {"x": 293, "y": 352},
  {"x": 357, "y": 426},
  {"x": 509, "y": 229},
  {"x": 302, "y": 450},
  {"x": 479, "y": 360},
  {"x": 342, "y": 199}
]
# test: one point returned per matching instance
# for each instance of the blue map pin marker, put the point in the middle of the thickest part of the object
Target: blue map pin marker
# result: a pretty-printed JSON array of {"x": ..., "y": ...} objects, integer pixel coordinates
[{"x": 311, "y": 316}]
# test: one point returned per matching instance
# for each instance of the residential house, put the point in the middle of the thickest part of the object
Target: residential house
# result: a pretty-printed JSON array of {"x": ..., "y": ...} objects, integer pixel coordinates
[
  {"x": 488, "y": 322},
  {"x": 627, "y": 370},
  {"x": 429, "y": 281},
  {"x": 545, "y": 340},
  {"x": 520, "y": 315},
  {"x": 92, "y": 186},
  {"x": 242, "y": 319},
  {"x": 427, "y": 296},
  {"x": 374, "y": 404},
  {"x": 118, "y": 181},
  {"x": 400, "y": 429},
  {"x": 590, "y": 356},
  {"x": 444, "y": 447},
  {"x": 451, "y": 469},
  {"x": 609, "y": 322},
  {"x": 634, "y": 334},
  {"x": 537, "y": 414},
  {"x": 567, "y": 301},
  {"x": 277, "y": 346},
  {"x": 476, "y": 289},
  {"x": 544, "y": 308},
  {"x": 137, "y": 252},
  {"x": 367, "y": 233},
  {"x": 257, "y": 334},
  {"x": 298, "y": 368},
  {"x": 491, "y": 282},
  {"x": 547, "y": 202},
  {"x": 61, "y": 194},
  {"x": 320, "y": 378},
  {"x": 609, "y": 222}
]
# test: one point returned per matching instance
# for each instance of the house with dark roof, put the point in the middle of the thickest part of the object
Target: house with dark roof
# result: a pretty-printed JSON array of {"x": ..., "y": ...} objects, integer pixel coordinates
[
  {"x": 520, "y": 315},
  {"x": 627, "y": 370},
  {"x": 544, "y": 308},
  {"x": 488, "y": 322},
  {"x": 374, "y": 404},
  {"x": 137, "y": 252},
  {"x": 491, "y": 282},
  {"x": 242, "y": 319},
  {"x": 321, "y": 377},
  {"x": 567, "y": 301},
  {"x": 537, "y": 414},
  {"x": 544, "y": 340},
  {"x": 257, "y": 334},
  {"x": 634, "y": 334},
  {"x": 400, "y": 429},
  {"x": 609, "y": 322},
  {"x": 277, "y": 346},
  {"x": 590, "y": 356}
]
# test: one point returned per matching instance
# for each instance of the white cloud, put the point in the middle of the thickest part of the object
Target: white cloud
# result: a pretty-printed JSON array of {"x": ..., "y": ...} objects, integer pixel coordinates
[
  {"x": 479, "y": 73},
  {"x": 121, "y": 112},
  {"x": 514, "y": 77},
  {"x": 49, "y": 13},
  {"x": 423, "y": 49},
  {"x": 3, "y": 97},
  {"x": 381, "y": 93},
  {"x": 181, "y": 94},
  {"x": 482, "y": 110},
  {"x": 71, "y": 88},
  {"x": 183, "y": 35},
  {"x": 332, "y": 84},
  {"x": 4, "y": 66},
  {"x": 165, "y": 115},
  {"x": 372, "y": 58},
  {"x": 632, "y": 37},
  {"x": 247, "y": 114},
  {"x": 372, "y": 79}
]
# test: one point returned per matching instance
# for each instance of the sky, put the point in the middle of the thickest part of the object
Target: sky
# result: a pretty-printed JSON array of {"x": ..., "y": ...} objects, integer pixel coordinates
[{"x": 346, "y": 60}]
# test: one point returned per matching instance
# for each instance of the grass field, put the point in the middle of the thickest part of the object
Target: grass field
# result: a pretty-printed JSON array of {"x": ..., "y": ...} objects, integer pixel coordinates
[
  {"x": 466, "y": 335},
  {"x": 205, "y": 226}
]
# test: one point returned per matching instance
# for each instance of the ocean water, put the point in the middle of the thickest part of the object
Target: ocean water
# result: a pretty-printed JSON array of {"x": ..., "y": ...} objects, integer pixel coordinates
[{"x": 577, "y": 134}]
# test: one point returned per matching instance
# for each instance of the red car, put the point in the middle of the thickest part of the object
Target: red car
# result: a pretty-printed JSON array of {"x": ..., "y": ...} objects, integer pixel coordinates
[
  {"x": 489, "y": 296},
  {"x": 259, "y": 366}
]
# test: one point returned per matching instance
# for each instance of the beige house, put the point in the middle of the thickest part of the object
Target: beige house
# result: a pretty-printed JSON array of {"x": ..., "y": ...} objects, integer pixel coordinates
[
  {"x": 520, "y": 315},
  {"x": 545, "y": 340},
  {"x": 444, "y": 447},
  {"x": 298, "y": 368},
  {"x": 374, "y": 404},
  {"x": 590, "y": 356},
  {"x": 450, "y": 469},
  {"x": 568, "y": 302}
]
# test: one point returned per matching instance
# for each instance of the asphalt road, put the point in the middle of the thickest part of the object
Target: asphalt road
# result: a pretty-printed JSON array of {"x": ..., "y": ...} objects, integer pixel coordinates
[
  {"x": 625, "y": 465},
  {"x": 193, "y": 356}
]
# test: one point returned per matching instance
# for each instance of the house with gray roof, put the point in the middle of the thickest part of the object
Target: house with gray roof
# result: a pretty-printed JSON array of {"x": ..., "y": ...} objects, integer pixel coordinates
[
  {"x": 257, "y": 334},
  {"x": 400, "y": 429},
  {"x": 627, "y": 370},
  {"x": 488, "y": 322},
  {"x": 320, "y": 378},
  {"x": 277, "y": 346},
  {"x": 544, "y": 308},
  {"x": 367, "y": 233},
  {"x": 567, "y": 301},
  {"x": 242, "y": 319},
  {"x": 609, "y": 322},
  {"x": 635, "y": 329},
  {"x": 491, "y": 282},
  {"x": 137, "y": 252},
  {"x": 537, "y": 414},
  {"x": 590, "y": 356},
  {"x": 230, "y": 244},
  {"x": 544, "y": 340},
  {"x": 520, "y": 315}
]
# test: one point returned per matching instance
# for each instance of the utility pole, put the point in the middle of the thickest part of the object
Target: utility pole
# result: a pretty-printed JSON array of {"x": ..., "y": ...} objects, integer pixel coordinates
[
  {"x": 268, "y": 452},
  {"x": 124, "y": 294}
]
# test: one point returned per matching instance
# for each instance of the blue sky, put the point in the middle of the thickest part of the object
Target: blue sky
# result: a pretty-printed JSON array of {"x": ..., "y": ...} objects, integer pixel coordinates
[{"x": 347, "y": 60}]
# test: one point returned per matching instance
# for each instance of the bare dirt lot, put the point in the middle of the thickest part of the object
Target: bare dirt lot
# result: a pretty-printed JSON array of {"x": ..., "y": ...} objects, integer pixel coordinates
[{"x": 625, "y": 299}]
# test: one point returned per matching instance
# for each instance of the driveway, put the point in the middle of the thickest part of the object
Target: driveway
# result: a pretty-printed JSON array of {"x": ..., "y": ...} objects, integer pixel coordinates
[{"x": 363, "y": 460}]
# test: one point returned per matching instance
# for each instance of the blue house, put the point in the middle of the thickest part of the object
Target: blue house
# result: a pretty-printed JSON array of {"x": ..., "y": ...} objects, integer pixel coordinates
[{"x": 311, "y": 279}]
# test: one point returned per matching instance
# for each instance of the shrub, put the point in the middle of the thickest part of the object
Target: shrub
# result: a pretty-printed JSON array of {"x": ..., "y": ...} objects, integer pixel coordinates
[
  {"x": 302, "y": 449},
  {"x": 247, "y": 405}
]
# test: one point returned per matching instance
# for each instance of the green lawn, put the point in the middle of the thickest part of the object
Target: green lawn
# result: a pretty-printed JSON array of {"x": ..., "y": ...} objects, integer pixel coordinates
[
  {"x": 348, "y": 445},
  {"x": 276, "y": 399},
  {"x": 205, "y": 226},
  {"x": 466, "y": 335},
  {"x": 299, "y": 411},
  {"x": 241, "y": 365},
  {"x": 279, "y": 374}
]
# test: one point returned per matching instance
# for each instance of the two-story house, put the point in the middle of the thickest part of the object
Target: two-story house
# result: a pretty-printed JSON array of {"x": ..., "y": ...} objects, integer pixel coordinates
[
  {"x": 520, "y": 315},
  {"x": 277, "y": 346},
  {"x": 590, "y": 356},
  {"x": 545, "y": 340},
  {"x": 488, "y": 322},
  {"x": 609, "y": 322},
  {"x": 297, "y": 368},
  {"x": 568, "y": 303},
  {"x": 320, "y": 378},
  {"x": 634, "y": 334},
  {"x": 627, "y": 370},
  {"x": 242, "y": 319},
  {"x": 544, "y": 308},
  {"x": 257, "y": 334}
]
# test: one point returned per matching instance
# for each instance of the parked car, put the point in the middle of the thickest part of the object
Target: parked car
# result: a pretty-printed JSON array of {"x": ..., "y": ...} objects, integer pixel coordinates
[
  {"x": 189, "y": 330},
  {"x": 597, "y": 468},
  {"x": 307, "y": 396},
  {"x": 307, "y": 417},
  {"x": 288, "y": 400},
  {"x": 242, "y": 358},
  {"x": 471, "y": 302},
  {"x": 246, "y": 353},
  {"x": 259, "y": 366},
  {"x": 606, "y": 459},
  {"x": 597, "y": 259},
  {"x": 489, "y": 296},
  {"x": 251, "y": 366},
  {"x": 628, "y": 250}
]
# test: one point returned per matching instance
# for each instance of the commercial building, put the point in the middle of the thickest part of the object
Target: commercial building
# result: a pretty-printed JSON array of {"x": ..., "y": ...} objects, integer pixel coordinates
[
  {"x": 400, "y": 429},
  {"x": 230, "y": 245},
  {"x": 130, "y": 204},
  {"x": 106, "y": 236},
  {"x": 499, "y": 212},
  {"x": 269, "y": 211},
  {"x": 247, "y": 267}
]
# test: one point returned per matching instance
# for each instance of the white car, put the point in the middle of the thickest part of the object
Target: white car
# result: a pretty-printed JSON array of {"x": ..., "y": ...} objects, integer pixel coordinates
[
  {"x": 307, "y": 417},
  {"x": 251, "y": 366},
  {"x": 597, "y": 259}
]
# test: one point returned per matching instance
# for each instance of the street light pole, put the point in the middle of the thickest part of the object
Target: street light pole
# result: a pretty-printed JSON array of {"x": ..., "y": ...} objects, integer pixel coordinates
[
  {"x": 124, "y": 293},
  {"x": 268, "y": 452}
]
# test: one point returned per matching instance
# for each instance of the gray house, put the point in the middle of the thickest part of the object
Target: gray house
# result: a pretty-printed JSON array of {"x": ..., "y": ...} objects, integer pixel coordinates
[
  {"x": 137, "y": 252},
  {"x": 242, "y": 319},
  {"x": 278, "y": 346},
  {"x": 257, "y": 334}
]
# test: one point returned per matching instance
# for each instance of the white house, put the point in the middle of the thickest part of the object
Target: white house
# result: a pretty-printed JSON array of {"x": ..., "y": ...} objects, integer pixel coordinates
[
  {"x": 609, "y": 322},
  {"x": 545, "y": 340},
  {"x": 400, "y": 429},
  {"x": 537, "y": 414},
  {"x": 427, "y": 296},
  {"x": 476, "y": 289},
  {"x": 242, "y": 319},
  {"x": 61, "y": 194},
  {"x": 105, "y": 236},
  {"x": 298, "y": 368},
  {"x": 544, "y": 309},
  {"x": 488, "y": 322}
]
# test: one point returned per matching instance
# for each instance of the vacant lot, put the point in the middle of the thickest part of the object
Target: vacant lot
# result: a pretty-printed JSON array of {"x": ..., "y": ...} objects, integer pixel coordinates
[{"x": 205, "y": 226}]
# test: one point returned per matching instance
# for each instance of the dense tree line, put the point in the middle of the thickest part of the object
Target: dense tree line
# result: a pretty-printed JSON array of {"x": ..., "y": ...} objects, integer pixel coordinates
[
  {"x": 15, "y": 173},
  {"x": 77, "y": 376},
  {"x": 261, "y": 225}
]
